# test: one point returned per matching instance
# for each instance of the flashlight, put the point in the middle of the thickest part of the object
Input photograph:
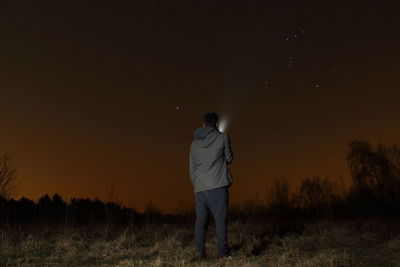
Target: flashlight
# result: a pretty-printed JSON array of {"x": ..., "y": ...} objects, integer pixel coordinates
[{"x": 223, "y": 123}]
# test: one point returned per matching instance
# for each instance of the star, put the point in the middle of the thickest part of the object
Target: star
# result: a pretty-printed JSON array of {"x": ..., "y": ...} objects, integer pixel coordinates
[{"x": 178, "y": 107}]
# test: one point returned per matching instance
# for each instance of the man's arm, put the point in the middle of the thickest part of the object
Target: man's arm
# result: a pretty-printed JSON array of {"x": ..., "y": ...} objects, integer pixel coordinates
[
  {"x": 227, "y": 149},
  {"x": 192, "y": 164}
]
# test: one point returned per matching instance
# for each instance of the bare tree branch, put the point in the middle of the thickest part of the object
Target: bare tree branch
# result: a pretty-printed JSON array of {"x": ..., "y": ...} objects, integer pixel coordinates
[{"x": 8, "y": 177}]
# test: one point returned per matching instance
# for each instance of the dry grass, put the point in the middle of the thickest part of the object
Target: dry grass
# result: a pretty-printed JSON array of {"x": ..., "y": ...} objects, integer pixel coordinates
[{"x": 320, "y": 244}]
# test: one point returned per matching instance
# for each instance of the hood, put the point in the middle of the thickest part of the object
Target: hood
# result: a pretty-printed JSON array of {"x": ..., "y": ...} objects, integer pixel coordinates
[{"x": 206, "y": 135}]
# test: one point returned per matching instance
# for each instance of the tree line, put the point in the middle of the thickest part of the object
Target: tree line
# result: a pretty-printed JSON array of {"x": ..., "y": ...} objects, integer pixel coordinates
[
  {"x": 80, "y": 211},
  {"x": 374, "y": 193}
]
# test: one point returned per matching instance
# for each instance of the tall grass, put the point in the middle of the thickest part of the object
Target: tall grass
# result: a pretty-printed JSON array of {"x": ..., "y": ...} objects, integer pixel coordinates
[{"x": 324, "y": 243}]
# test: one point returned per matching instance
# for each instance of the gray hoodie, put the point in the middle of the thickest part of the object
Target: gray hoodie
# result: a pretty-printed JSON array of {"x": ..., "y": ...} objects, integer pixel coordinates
[{"x": 210, "y": 154}]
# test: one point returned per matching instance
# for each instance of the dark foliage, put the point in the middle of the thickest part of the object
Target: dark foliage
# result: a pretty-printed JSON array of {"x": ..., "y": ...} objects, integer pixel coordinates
[{"x": 376, "y": 179}]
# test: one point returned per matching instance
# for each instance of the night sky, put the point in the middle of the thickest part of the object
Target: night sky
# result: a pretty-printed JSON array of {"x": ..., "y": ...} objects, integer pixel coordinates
[{"x": 100, "y": 92}]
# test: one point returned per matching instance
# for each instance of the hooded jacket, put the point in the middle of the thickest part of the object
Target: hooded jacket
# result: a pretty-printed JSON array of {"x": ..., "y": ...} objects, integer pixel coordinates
[{"x": 210, "y": 154}]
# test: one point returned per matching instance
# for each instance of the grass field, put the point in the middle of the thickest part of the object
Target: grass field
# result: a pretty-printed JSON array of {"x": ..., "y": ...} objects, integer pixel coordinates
[{"x": 253, "y": 244}]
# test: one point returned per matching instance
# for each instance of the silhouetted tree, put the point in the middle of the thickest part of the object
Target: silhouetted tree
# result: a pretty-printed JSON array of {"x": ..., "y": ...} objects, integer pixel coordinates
[
  {"x": 26, "y": 210},
  {"x": 8, "y": 176},
  {"x": 279, "y": 202},
  {"x": 152, "y": 213},
  {"x": 376, "y": 177},
  {"x": 57, "y": 209},
  {"x": 43, "y": 206},
  {"x": 317, "y": 196}
]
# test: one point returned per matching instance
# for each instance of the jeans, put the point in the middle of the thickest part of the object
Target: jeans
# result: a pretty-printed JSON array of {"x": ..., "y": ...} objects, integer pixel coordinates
[{"x": 216, "y": 201}]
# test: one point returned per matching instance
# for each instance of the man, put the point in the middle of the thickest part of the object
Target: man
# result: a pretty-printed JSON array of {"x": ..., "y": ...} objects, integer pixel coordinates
[{"x": 210, "y": 154}]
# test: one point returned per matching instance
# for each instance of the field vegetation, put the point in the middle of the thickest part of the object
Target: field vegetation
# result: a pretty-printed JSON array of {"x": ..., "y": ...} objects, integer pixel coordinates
[{"x": 323, "y": 243}]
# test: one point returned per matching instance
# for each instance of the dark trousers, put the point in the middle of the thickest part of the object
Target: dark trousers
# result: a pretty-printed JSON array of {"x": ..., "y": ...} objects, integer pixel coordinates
[{"x": 216, "y": 201}]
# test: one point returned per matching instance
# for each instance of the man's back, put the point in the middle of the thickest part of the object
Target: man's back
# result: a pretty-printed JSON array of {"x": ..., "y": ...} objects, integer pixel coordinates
[{"x": 210, "y": 154}]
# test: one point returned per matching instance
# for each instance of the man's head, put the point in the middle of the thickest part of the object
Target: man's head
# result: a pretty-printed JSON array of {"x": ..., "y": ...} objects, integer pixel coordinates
[{"x": 210, "y": 120}]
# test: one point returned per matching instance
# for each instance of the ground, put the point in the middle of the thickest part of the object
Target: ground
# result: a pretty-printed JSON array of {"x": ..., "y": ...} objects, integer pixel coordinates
[{"x": 324, "y": 243}]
